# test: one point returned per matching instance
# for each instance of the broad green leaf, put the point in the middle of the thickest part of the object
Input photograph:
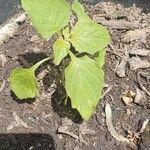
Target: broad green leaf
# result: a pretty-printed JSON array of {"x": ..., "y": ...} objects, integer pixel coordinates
[
  {"x": 88, "y": 36},
  {"x": 47, "y": 16},
  {"x": 61, "y": 48},
  {"x": 79, "y": 9},
  {"x": 23, "y": 83},
  {"x": 84, "y": 83},
  {"x": 101, "y": 58}
]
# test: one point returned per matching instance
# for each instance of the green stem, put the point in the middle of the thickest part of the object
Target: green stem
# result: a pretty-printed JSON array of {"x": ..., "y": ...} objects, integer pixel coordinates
[
  {"x": 66, "y": 100},
  {"x": 34, "y": 67}
]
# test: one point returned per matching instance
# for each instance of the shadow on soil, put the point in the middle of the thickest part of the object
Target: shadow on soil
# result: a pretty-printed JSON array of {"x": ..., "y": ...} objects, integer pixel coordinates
[
  {"x": 29, "y": 59},
  {"x": 15, "y": 98},
  {"x": 62, "y": 106},
  {"x": 26, "y": 142}
]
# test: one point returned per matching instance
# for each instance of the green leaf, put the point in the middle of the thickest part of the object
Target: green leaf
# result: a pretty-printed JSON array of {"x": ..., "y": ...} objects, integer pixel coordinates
[
  {"x": 47, "y": 16},
  {"x": 61, "y": 48},
  {"x": 84, "y": 83},
  {"x": 23, "y": 83},
  {"x": 101, "y": 57},
  {"x": 88, "y": 36},
  {"x": 79, "y": 9}
]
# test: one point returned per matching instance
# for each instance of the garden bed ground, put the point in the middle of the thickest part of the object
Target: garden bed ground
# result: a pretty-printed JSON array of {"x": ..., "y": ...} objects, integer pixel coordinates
[{"x": 45, "y": 123}]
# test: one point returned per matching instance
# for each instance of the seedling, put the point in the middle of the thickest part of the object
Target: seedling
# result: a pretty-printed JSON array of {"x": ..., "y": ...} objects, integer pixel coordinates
[{"x": 83, "y": 76}]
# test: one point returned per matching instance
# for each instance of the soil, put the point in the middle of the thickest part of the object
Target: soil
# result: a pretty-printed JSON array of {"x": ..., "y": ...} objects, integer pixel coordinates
[{"x": 39, "y": 124}]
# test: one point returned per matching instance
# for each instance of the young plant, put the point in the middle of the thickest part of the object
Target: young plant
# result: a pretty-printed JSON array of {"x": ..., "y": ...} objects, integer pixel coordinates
[{"x": 84, "y": 76}]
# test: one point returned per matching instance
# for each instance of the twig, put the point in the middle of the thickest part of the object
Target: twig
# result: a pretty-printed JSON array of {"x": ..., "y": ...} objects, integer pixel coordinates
[
  {"x": 145, "y": 123},
  {"x": 3, "y": 59},
  {"x": 72, "y": 135},
  {"x": 114, "y": 51},
  {"x": 2, "y": 85},
  {"x": 141, "y": 85},
  {"x": 145, "y": 75},
  {"x": 107, "y": 91},
  {"x": 111, "y": 129},
  {"x": 19, "y": 121}
]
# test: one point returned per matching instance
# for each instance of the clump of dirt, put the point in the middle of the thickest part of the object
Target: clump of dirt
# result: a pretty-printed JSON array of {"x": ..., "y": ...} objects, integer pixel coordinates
[{"x": 47, "y": 122}]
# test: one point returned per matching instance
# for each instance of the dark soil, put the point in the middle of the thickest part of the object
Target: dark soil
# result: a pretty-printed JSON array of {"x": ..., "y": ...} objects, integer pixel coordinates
[{"x": 42, "y": 117}]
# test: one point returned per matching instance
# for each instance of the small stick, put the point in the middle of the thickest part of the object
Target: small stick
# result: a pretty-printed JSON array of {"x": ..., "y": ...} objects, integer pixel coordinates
[
  {"x": 145, "y": 123},
  {"x": 19, "y": 121},
  {"x": 114, "y": 53},
  {"x": 141, "y": 85},
  {"x": 72, "y": 135},
  {"x": 111, "y": 128},
  {"x": 2, "y": 85},
  {"x": 107, "y": 91}
]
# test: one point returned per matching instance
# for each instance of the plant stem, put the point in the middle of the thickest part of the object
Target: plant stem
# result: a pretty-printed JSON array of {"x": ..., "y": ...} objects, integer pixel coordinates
[
  {"x": 34, "y": 67},
  {"x": 66, "y": 100}
]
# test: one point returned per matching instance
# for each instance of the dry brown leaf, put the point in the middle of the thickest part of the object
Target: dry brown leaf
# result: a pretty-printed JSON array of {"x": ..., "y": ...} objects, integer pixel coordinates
[
  {"x": 128, "y": 97},
  {"x": 133, "y": 137}
]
